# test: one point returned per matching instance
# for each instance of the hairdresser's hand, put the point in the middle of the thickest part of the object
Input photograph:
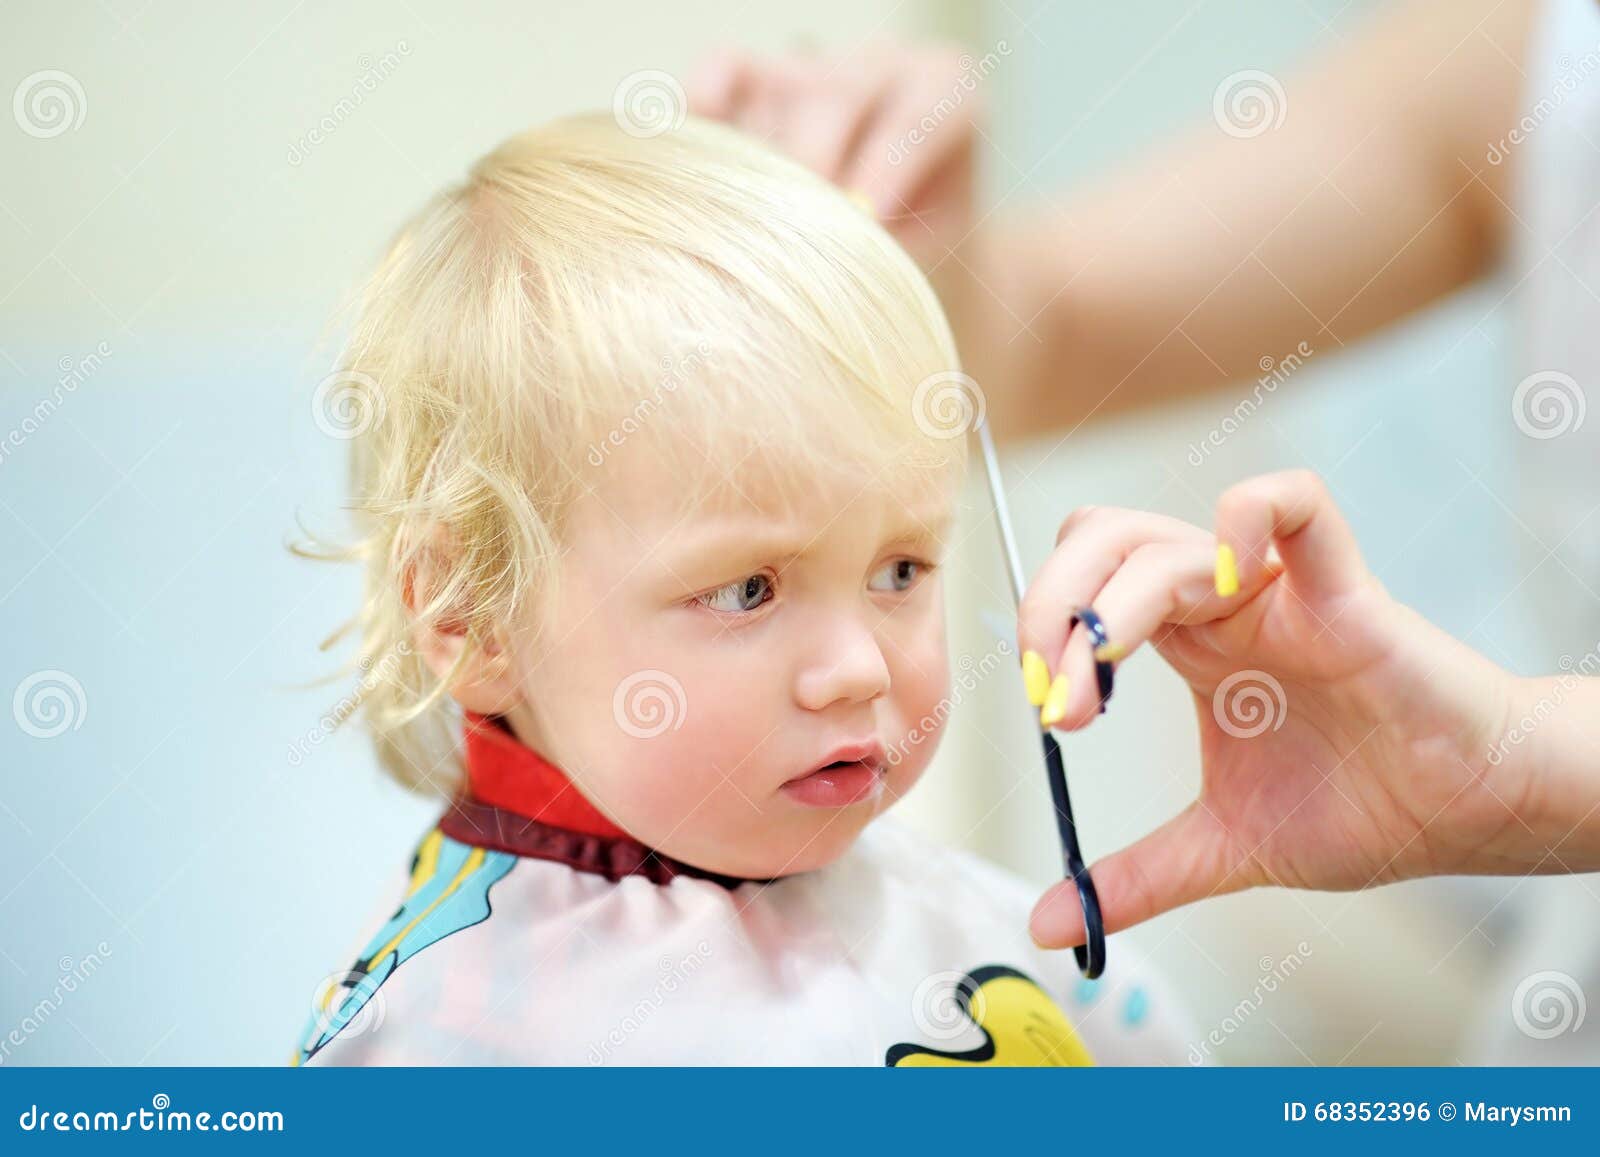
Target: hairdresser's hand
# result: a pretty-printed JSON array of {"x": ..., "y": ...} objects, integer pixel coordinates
[
  {"x": 892, "y": 124},
  {"x": 1344, "y": 740}
]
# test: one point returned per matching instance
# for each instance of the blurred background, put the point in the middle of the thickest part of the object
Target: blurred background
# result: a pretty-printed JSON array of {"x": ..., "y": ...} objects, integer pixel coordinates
[{"x": 175, "y": 251}]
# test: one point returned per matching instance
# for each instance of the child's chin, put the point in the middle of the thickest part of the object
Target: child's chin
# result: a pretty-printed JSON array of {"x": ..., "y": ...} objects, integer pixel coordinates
[
  {"x": 816, "y": 849},
  {"x": 776, "y": 858},
  {"x": 811, "y": 859}
]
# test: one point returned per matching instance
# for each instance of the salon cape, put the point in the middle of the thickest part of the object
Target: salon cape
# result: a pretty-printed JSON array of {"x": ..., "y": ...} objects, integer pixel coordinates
[{"x": 558, "y": 940}]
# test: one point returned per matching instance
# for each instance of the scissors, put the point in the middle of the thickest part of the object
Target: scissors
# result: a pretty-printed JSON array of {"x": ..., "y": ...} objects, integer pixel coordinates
[{"x": 1091, "y": 953}]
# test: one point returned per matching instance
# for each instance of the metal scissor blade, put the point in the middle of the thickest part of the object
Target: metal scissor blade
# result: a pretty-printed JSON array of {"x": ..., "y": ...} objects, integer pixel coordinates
[{"x": 1002, "y": 514}]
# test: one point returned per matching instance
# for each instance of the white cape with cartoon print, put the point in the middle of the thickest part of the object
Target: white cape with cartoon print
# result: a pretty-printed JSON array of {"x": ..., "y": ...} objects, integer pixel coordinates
[{"x": 903, "y": 952}]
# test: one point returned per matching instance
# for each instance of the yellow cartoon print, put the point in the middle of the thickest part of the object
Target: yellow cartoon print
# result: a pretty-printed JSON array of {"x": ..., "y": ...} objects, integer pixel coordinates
[{"x": 1020, "y": 1023}]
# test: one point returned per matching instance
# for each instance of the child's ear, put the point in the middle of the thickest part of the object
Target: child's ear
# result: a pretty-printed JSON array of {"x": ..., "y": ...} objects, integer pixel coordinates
[{"x": 486, "y": 681}]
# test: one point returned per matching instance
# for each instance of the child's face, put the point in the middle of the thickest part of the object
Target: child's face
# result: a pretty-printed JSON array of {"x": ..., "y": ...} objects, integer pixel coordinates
[{"x": 696, "y": 666}]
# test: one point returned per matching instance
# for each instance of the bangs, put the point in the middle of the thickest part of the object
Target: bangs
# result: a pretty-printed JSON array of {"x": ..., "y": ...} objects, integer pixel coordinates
[{"x": 753, "y": 402}]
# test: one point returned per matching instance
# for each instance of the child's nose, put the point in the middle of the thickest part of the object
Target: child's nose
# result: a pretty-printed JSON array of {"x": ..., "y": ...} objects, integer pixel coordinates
[{"x": 845, "y": 663}]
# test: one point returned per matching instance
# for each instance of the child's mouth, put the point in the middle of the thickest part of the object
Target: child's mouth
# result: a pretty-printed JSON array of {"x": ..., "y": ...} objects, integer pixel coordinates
[{"x": 842, "y": 781}]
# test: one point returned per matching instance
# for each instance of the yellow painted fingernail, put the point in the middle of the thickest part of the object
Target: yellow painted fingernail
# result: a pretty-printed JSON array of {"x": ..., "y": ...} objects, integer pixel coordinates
[
  {"x": 1035, "y": 677},
  {"x": 1055, "y": 703},
  {"x": 1227, "y": 571},
  {"x": 1110, "y": 653}
]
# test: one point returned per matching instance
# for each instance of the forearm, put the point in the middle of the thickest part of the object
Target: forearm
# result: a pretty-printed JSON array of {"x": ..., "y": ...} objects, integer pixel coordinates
[{"x": 1372, "y": 198}]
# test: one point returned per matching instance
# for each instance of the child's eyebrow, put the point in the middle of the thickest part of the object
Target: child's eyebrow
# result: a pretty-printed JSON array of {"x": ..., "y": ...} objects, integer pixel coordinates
[
  {"x": 731, "y": 541},
  {"x": 932, "y": 531}
]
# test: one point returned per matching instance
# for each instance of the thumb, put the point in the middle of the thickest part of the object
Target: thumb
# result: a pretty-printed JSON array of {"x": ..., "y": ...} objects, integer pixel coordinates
[{"x": 1184, "y": 860}]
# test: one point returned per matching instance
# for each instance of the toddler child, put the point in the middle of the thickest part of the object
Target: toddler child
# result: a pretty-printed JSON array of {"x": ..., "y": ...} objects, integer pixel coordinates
[{"x": 654, "y": 487}]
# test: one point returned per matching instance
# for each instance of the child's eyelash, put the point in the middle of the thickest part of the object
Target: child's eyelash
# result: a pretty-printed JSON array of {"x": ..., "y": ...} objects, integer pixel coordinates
[
  {"x": 705, "y": 599},
  {"x": 924, "y": 568}
]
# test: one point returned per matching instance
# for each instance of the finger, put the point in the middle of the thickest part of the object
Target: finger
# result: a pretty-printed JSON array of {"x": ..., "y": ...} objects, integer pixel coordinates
[
  {"x": 717, "y": 86},
  {"x": 763, "y": 109},
  {"x": 828, "y": 115},
  {"x": 1160, "y": 584},
  {"x": 901, "y": 151},
  {"x": 1184, "y": 860},
  {"x": 1092, "y": 544},
  {"x": 1293, "y": 513}
]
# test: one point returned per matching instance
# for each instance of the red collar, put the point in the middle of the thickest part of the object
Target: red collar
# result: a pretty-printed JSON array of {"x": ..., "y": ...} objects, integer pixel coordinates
[
  {"x": 517, "y": 801},
  {"x": 505, "y": 773}
]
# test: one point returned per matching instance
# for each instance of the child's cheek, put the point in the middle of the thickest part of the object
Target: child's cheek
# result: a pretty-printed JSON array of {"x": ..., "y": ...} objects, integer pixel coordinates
[
  {"x": 717, "y": 731},
  {"x": 928, "y": 686},
  {"x": 919, "y": 683}
]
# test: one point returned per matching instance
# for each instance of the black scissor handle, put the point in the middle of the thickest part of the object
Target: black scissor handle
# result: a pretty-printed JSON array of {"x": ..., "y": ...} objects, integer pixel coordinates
[
  {"x": 1104, "y": 673},
  {"x": 1091, "y": 954}
]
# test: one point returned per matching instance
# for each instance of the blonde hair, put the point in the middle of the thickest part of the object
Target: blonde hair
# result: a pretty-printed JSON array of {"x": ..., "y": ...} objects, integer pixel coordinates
[{"x": 583, "y": 287}]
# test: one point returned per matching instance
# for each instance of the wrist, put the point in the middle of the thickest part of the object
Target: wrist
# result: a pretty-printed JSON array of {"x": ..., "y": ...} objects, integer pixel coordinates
[{"x": 1547, "y": 757}]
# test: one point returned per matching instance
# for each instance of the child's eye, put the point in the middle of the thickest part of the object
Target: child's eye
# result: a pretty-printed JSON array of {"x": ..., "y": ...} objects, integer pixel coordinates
[
  {"x": 898, "y": 575},
  {"x": 745, "y": 595}
]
